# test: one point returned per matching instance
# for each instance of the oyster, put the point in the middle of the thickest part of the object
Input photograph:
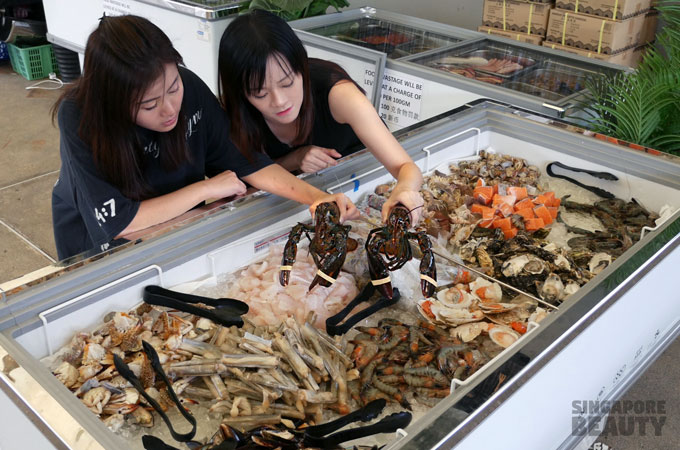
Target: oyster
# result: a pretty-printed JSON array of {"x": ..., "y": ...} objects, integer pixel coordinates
[
  {"x": 503, "y": 336},
  {"x": 599, "y": 262},
  {"x": 552, "y": 289},
  {"x": 523, "y": 264},
  {"x": 469, "y": 331}
]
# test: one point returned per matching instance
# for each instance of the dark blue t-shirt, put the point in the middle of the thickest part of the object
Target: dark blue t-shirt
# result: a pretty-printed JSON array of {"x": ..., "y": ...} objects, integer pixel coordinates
[{"x": 88, "y": 212}]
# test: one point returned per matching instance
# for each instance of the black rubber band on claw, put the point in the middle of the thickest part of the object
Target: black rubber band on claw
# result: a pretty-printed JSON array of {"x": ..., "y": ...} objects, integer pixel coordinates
[
  {"x": 226, "y": 312},
  {"x": 595, "y": 190},
  {"x": 125, "y": 371},
  {"x": 333, "y": 328}
]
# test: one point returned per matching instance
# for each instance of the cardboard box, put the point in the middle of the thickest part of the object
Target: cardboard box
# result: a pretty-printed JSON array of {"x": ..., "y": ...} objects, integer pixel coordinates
[
  {"x": 608, "y": 9},
  {"x": 630, "y": 57},
  {"x": 649, "y": 28},
  {"x": 594, "y": 34},
  {"x": 520, "y": 17},
  {"x": 522, "y": 37},
  {"x": 552, "y": 2}
]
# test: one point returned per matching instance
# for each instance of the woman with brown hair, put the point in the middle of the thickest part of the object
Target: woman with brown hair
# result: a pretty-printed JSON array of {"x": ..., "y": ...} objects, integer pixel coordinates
[
  {"x": 302, "y": 112},
  {"x": 139, "y": 135}
]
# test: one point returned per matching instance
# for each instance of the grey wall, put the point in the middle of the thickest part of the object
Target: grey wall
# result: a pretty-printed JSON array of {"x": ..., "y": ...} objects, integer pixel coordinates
[{"x": 461, "y": 13}]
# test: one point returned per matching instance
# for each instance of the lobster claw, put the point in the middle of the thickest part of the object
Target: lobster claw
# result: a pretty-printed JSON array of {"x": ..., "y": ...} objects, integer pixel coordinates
[
  {"x": 380, "y": 275},
  {"x": 289, "y": 253},
  {"x": 428, "y": 269}
]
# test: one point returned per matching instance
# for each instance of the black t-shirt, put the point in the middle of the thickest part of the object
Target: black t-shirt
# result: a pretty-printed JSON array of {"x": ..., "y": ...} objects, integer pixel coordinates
[
  {"x": 326, "y": 132},
  {"x": 88, "y": 212}
]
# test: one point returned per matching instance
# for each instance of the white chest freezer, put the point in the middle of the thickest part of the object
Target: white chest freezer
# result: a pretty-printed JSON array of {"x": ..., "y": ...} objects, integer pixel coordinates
[{"x": 592, "y": 348}]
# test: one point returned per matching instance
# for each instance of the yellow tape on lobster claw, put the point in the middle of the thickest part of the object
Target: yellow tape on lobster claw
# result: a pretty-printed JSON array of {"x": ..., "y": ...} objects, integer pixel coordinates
[
  {"x": 382, "y": 281},
  {"x": 325, "y": 277},
  {"x": 288, "y": 268},
  {"x": 430, "y": 280}
]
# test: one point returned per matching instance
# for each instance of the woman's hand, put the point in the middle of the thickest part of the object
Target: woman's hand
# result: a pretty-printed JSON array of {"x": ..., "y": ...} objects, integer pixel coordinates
[
  {"x": 410, "y": 199},
  {"x": 347, "y": 209},
  {"x": 314, "y": 159},
  {"x": 224, "y": 185}
]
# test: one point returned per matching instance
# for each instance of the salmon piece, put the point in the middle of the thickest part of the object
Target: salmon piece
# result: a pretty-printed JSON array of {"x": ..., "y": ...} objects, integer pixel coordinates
[
  {"x": 540, "y": 200},
  {"x": 485, "y": 211},
  {"x": 553, "y": 211},
  {"x": 542, "y": 212},
  {"x": 476, "y": 208},
  {"x": 486, "y": 223},
  {"x": 520, "y": 193},
  {"x": 524, "y": 204},
  {"x": 526, "y": 213},
  {"x": 511, "y": 233},
  {"x": 556, "y": 202},
  {"x": 534, "y": 224},
  {"x": 507, "y": 199},
  {"x": 503, "y": 224},
  {"x": 505, "y": 210},
  {"x": 483, "y": 194},
  {"x": 480, "y": 182}
]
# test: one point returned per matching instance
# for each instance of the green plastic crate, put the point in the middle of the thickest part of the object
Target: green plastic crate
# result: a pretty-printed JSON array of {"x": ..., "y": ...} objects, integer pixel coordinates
[{"x": 32, "y": 62}]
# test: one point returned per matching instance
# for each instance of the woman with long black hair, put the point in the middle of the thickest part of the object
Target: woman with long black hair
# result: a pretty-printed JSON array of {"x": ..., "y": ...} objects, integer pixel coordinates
[
  {"x": 139, "y": 135},
  {"x": 302, "y": 112}
]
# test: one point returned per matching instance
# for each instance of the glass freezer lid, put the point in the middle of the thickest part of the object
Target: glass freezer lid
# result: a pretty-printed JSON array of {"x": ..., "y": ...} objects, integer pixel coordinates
[
  {"x": 521, "y": 69},
  {"x": 395, "y": 39}
]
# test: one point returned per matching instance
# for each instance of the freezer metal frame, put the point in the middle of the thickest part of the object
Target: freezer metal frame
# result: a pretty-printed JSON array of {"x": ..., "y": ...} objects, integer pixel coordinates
[{"x": 550, "y": 347}]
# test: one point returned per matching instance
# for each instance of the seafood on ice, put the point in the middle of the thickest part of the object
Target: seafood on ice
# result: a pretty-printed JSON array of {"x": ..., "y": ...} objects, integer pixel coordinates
[{"x": 270, "y": 303}]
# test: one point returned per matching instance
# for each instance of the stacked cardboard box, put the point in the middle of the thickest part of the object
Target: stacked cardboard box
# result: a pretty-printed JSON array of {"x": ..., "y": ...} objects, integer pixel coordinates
[
  {"x": 592, "y": 33},
  {"x": 586, "y": 27},
  {"x": 608, "y": 9},
  {"x": 530, "y": 18}
]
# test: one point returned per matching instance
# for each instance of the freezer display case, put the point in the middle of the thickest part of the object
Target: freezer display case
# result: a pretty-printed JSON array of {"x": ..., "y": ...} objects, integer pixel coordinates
[
  {"x": 591, "y": 347},
  {"x": 551, "y": 78},
  {"x": 193, "y": 26},
  {"x": 394, "y": 34},
  {"x": 394, "y": 39},
  {"x": 474, "y": 66}
]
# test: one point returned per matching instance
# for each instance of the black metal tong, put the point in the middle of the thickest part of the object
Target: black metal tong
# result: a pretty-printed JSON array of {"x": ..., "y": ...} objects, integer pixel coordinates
[
  {"x": 226, "y": 311},
  {"x": 333, "y": 326},
  {"x": 317, "y": 436},
  {"x": 126, "y": 373},
  {"x": 595, "y": 190}
]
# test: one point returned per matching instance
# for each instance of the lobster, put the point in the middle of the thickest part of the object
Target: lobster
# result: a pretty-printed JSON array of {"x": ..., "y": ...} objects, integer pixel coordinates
[
  {"x": 328, "y": 247},
  {"x": 388, "y": 249}
]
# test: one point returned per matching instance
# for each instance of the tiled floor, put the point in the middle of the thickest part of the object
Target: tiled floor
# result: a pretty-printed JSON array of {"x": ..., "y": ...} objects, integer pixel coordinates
[{"x": 29, "y": 165}]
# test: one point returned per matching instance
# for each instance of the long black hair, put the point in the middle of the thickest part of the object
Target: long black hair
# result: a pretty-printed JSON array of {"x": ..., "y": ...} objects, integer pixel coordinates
[
  {"x": 124, "y": 57},
  {"x": 245, "y": 47}
]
